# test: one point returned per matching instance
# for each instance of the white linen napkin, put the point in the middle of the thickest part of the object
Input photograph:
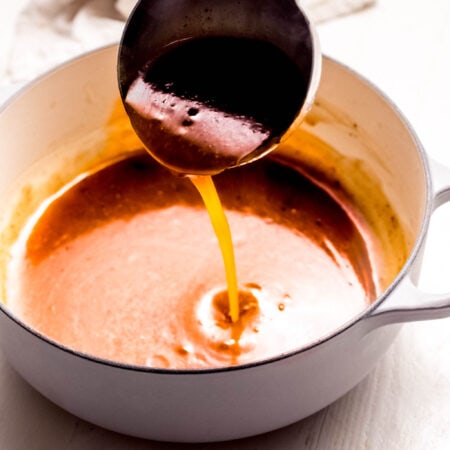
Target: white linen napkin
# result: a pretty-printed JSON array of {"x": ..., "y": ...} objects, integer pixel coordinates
[{"x": 36, "y": 35}]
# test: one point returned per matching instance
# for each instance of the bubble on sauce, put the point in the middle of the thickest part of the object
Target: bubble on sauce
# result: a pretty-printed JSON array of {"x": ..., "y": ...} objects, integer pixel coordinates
[
  {"x": 227, "y": 345},
  {"x": 159, "y": 361},
  {"x": 193, "y": 111},
  {"x": 187, "y": 123},
  {"x": 253, "y": 286},
  {"x": 184, "y": 349}
]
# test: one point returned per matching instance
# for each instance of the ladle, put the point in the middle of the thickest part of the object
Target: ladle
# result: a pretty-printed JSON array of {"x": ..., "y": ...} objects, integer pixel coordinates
[{"x": 194, "y": 131}]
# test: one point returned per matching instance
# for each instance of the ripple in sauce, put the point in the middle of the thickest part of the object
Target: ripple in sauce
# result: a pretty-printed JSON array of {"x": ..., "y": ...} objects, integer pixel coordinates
[{"x": 124, "y": 265}]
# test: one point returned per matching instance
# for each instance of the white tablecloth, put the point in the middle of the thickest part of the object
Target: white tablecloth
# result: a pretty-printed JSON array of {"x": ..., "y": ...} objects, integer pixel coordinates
[{"x": 403, "y": 46}]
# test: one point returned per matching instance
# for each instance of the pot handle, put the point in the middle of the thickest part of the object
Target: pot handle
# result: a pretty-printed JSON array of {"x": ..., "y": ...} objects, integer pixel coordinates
[{"x": 413, "y": 304}]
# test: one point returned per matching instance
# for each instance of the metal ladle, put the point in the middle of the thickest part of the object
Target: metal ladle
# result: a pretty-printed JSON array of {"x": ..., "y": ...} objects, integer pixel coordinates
[{"x": 156, "y": 24}]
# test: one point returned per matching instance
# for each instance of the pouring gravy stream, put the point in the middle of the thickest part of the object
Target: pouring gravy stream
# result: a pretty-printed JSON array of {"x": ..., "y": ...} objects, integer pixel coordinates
[{"x": 206, "y": 104}]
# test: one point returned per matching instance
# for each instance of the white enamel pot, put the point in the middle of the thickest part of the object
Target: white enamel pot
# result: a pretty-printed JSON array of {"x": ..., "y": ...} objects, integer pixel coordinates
[{"x": 76, "y": 100}]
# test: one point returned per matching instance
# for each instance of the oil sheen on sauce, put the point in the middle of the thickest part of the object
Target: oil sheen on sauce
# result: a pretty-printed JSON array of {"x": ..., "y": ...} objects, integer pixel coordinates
[{"x": 123, "y": 265}]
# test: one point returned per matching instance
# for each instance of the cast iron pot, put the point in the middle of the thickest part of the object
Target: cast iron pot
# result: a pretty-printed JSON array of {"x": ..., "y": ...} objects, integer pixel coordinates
[{"x": 60, "y": 109}]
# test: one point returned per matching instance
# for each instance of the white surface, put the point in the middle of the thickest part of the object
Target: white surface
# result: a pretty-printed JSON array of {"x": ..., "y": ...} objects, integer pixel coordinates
[{"x": 403, "y": 46}]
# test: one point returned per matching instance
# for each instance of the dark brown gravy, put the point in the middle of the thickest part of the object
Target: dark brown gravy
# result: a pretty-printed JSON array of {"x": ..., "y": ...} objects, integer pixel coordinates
[
  {"x": 124, "y": 266},
  {"x": 208, "y": 103}
]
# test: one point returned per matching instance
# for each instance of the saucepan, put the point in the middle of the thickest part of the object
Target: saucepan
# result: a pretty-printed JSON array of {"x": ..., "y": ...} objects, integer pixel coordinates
[{"x": 69, "y": 109}]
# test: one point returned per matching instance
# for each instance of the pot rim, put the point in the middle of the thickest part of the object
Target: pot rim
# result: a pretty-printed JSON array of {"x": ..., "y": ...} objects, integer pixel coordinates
[{"x": 366, "y": 313}]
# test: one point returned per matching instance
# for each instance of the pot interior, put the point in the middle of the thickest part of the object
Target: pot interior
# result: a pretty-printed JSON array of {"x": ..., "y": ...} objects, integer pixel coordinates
[
  {"x": 353, "y": 145},
  {"x": 357, "y": 144}
]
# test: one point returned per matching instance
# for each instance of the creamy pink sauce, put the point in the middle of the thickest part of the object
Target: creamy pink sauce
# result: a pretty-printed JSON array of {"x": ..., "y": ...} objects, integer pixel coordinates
[{"x": 136, "y": 280}]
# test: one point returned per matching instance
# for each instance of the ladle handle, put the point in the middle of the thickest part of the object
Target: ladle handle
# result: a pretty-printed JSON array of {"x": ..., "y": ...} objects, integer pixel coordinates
[{"x": 410, "y": 303}]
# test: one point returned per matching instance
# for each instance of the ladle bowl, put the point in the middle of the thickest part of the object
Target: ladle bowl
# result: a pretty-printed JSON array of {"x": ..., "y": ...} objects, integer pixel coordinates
[{"x": 155, "y": 25}]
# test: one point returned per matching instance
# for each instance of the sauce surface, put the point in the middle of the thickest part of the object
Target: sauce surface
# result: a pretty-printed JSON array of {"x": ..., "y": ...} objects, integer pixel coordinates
[
  {"x": 207, "y": 104},
  {"x": 124, "y": 265}
]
